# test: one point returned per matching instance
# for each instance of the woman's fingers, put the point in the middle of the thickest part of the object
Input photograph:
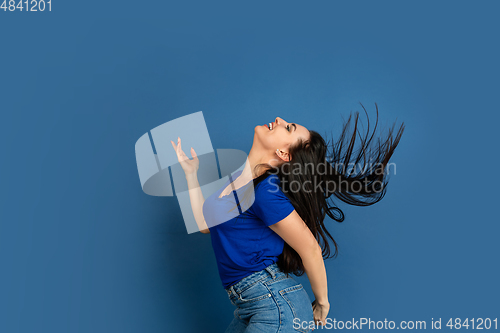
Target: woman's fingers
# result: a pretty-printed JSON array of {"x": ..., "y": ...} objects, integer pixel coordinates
[
  {"x": 180, "y": 153},
  {"x": 177, "y": 146},
  {"x": 320, "y": 313},
  {"x": 179, "y": 149}
]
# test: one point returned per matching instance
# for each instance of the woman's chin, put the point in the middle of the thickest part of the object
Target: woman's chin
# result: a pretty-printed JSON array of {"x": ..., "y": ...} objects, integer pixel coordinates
[
  {"x": 261, "y": 130},
  {"x": 262, "y": 127}
]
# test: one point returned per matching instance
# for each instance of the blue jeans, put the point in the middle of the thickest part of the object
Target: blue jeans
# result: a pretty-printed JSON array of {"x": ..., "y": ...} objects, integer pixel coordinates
[{"x": 269, "y": 301}]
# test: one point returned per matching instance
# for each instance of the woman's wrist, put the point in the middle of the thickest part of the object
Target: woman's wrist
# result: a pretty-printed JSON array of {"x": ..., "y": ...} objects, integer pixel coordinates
[
  {"x": 193, "y": 175},
  {"x": 322, "y": 302}
]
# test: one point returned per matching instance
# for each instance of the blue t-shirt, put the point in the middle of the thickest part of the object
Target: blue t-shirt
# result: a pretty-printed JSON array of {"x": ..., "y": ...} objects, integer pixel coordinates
[{"x": 245, "y": 244}]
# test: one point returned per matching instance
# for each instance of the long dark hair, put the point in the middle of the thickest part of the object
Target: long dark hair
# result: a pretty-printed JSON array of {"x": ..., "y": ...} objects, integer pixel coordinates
[{"x": 314, "y": 174}]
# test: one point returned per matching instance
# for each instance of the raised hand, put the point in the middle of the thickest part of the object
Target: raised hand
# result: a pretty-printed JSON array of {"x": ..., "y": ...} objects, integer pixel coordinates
[{"x": 189, "y": 166}]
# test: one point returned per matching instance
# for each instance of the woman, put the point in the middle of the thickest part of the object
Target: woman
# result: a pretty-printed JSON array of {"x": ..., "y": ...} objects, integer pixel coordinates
[{"x": 281, "y": 230}]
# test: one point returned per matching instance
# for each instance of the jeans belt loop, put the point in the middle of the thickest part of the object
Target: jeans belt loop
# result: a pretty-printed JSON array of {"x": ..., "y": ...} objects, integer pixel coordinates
[{"x": 270, "y": 272}]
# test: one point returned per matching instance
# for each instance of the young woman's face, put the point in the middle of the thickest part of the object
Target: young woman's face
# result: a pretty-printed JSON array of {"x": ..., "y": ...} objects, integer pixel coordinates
[{"x": 281, "y": 135}]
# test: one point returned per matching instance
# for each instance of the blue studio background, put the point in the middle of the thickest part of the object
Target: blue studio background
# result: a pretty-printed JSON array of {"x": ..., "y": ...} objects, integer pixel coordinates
[{"x": 83, "y": 249}]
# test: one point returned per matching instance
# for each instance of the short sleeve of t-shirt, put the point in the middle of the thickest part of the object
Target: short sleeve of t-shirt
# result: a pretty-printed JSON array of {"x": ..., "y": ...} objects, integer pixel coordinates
[{"x": 271, "y": 205}]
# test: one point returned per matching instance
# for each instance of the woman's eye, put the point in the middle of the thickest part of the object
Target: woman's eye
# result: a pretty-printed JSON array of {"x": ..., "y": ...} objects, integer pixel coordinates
[{"x": 288, "y": 128}]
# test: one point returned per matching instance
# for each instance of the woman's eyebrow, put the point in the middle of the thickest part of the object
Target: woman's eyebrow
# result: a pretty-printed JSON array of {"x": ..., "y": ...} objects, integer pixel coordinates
[{"x": 294, "y": 127}]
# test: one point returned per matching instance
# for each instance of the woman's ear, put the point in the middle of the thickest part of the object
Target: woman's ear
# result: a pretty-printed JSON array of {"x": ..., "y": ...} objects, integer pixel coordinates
[{"x": 283, "y": 155}]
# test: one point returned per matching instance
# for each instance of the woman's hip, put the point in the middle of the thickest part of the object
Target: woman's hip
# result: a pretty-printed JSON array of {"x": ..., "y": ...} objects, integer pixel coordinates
[{"x": 273, "y": 298}]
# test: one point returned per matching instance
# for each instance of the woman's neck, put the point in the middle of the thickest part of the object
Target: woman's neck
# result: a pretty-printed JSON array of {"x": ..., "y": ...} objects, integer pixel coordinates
[{"x": 254, "y": 158}]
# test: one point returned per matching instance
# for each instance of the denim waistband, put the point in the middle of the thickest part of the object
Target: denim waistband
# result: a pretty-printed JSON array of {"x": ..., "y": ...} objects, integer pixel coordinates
[{"x": 246, "y": 282}]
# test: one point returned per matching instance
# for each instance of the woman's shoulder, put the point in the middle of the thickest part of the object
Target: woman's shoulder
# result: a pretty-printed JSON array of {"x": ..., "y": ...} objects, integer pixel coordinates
[
  {"x": 271, "y": 204},
  {"x": 269, "y": 187},
  {"x": 271, "y": 181}
]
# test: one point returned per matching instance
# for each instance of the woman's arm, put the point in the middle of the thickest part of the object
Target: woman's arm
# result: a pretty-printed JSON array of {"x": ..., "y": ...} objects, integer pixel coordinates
[
  {"x": 197, "y": 200},
  {"x": 295, "y": 233},
  {"x": 190, "y": 168}
]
